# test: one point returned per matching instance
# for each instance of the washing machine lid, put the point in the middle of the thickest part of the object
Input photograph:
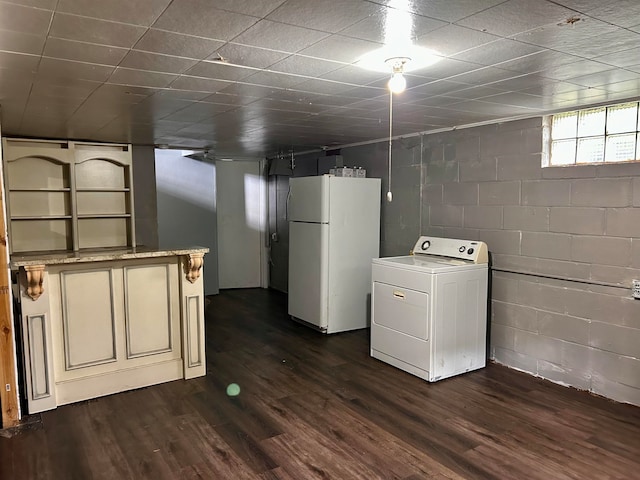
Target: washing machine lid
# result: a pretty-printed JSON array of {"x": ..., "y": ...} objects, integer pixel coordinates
[{"x": 428, "y": 263}]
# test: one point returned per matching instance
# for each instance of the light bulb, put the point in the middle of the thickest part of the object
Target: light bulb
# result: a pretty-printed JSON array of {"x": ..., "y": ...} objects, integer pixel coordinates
[{"x": 397, "y": 83}]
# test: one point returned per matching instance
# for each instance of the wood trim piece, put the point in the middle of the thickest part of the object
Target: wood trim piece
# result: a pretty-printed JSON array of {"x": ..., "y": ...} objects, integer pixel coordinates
[
  {"x": 194, "y": 350},
  {"x": 35, "y": 281},
  {"x": 38, "y": 354},
  {"x": 193, "y": 265},
  {"x": 8, "y": 381}
]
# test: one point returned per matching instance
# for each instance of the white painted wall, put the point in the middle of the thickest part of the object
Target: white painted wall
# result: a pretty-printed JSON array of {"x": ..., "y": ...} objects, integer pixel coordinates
[
  {"x": 241, "y": 202},
  {"x": 186, "y": 192}
]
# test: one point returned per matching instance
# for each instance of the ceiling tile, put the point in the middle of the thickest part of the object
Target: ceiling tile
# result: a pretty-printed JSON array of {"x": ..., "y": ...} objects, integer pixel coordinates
[
  {"x": 624, "y": 58},
  {"x": 521, "y": 82},
  {"x": 567, "y": 38},
  {"x": 152, "y": 110},
  {"x": 628, "y": 87},
  {"x": 520, "y": 100},
  {"x": 323, "y": 87},
  {"x": 198, "y": 17},
  {"x": 138, "y": 13},
  {"x": 301, "y": 65},
  {"x": 19, "y": 18},
  {"x": 480, "y": 107},
  {"x": 249, "y": 7},
  {"x": 90, "y": 30},
  {"x": 180, "y": 45},
  {"x": 339, "y": 48},
  {"x": 279, "y": 36},
  {"x": 449, "y": 11},
  {"x": 248, "y": 56},
  {"x": 484, "y": 75},
  {"x": 198, "y": 112},
  {"x": 44, "y": 4},
  {"x": 83, "y": 52},
  {"x": 274, "y": 79},
  {"x": 553, "y": 89},
  {"x": 372, "y": 28},
  {"x": 323, "y": 14},
  {"x": 156, "y": 62},
  {"x": 440, "y": 87},
  {"x": 128, "y": 76},
  {"x": 19, "y": 42},
  {"x": 584, "y": 6},
  {"x": 52, "y": 107},
  {"x": 244, "y": 89},
  {"x": 538, "y": 61},
  {"x": 576, "y": 69},
  {"x": 220, "y": 71},
  {"x": 125, "y": 94},
  {"x": 53, "y": 67},
  {"x": 64, "y": 88},
  {"x": 497, "y": 52},
  {"x": 605, "y": 78},
  {"x": 453, "y": 39},
  {"x": 229, "y": 99},
  {"x": 446, "y": 68},
  {"x": 606, "y": 43},
  {"x": 624, "y": 13},
  {"x": 516, "y": 16},
  {"x": 355, "y": 75},
  {"x": 185, "y": 82}
]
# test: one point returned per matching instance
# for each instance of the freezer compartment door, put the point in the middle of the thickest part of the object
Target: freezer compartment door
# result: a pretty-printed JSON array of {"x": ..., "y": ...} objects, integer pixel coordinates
[
  {"x": 309, "y": 199},
  {"x": 309, "y": 272}
]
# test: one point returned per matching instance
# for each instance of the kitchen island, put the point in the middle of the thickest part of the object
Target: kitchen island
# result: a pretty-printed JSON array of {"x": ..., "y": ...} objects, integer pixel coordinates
[{"x": 99, "y": 322}]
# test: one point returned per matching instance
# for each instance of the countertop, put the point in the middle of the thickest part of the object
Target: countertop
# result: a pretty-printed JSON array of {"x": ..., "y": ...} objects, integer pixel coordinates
[{"x": 101, "y": 255}]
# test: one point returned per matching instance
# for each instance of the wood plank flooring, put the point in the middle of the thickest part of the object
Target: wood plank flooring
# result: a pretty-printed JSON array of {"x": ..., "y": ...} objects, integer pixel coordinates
[{"x": 313, "y": 406}]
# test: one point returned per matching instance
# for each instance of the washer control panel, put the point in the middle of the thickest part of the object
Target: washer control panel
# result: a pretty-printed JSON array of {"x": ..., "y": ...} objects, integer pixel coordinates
[{"x": 472, "y": 251}]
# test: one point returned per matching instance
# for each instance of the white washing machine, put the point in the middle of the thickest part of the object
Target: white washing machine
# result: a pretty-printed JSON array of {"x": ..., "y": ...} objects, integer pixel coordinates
[{"x": 429, "y": 309}]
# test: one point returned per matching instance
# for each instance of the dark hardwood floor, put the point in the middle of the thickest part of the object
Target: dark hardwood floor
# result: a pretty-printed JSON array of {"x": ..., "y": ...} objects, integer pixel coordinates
[{"x": 318, "y": 407}]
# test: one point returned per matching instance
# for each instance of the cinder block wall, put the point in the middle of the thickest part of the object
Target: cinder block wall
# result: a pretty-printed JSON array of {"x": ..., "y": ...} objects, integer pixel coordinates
[{"x": 565, "y": 245}]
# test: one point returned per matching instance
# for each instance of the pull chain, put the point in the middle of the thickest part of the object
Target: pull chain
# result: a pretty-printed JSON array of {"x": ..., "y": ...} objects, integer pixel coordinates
[{"x": 389, "y": 194}]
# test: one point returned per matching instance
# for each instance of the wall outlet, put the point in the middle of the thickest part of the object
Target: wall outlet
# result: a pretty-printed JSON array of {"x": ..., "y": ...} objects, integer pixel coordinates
[{"x": 635, "y": 289}]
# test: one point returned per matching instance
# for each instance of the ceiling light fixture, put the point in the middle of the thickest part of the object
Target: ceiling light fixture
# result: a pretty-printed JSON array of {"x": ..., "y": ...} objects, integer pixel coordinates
[{"x": 397, "y": 83}]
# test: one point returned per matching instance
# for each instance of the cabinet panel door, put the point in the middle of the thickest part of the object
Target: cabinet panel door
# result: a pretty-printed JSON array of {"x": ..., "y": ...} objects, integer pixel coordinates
[
  {"x": 149, "y": 326},
  {"x": 88, "y": 318}
]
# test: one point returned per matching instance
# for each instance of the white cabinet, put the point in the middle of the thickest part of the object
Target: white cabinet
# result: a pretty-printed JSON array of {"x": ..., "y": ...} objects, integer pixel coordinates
[{"x": 103, "y": 325}]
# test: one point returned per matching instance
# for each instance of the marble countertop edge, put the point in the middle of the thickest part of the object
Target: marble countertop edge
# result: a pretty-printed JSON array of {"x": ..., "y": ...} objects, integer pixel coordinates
[{"x": 58, "y": 258}]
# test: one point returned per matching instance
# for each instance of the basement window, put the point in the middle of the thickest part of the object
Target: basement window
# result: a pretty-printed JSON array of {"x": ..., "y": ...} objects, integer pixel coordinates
[{"x": 592, "y": 136}]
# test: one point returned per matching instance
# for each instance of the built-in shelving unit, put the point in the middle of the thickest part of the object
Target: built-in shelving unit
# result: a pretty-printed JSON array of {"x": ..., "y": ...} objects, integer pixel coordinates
[{"x": 68, "y": 195}]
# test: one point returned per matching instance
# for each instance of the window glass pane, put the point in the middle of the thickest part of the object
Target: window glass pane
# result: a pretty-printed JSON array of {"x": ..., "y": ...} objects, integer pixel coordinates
[
  {"x": 564, "y": 125},
  {"x": 590, "y": 150},
  {"x": 563, "y": 152},
  {"x": 591, "y": 122},
  {"x": 621, "y": 147},
  {"x": 622, "y": 118}
]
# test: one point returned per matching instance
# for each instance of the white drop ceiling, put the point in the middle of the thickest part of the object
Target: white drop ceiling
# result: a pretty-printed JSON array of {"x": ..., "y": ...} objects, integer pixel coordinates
[{"x": 256, "y": 77}]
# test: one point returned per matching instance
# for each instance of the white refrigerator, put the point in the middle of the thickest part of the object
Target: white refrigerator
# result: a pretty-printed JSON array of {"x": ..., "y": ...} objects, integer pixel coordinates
[{"x": 334, "y": 232}]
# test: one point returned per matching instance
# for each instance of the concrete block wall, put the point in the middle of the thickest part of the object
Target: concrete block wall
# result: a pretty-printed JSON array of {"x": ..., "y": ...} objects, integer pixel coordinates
[{"x": 565, "y": 246}]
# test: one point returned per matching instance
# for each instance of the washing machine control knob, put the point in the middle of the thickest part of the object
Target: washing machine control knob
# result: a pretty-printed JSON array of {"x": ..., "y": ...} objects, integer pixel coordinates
[
  {"x": 470, "y": 251},
  {"x": 462, "y": 249},
  {"x": 425, "y": 245}
]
